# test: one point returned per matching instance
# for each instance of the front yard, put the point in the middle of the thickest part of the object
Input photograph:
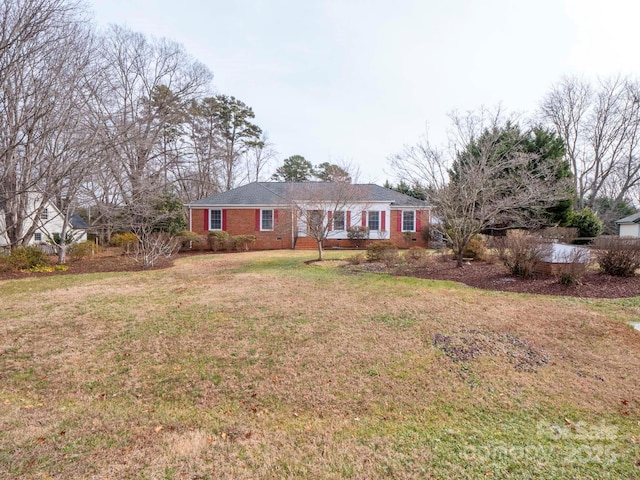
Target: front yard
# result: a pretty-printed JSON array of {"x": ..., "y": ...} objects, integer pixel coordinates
[{"x": 256, "y": 365}]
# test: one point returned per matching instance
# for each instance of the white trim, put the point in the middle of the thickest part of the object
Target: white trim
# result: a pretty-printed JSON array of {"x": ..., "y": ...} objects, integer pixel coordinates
[
  {"x": 344, "y": 221},
  {"x": 273, "y": 219},
  {"x": 210, "y": 229},
  {"x": 413, "y": 228},
  {"x": 369, "y": 212}
]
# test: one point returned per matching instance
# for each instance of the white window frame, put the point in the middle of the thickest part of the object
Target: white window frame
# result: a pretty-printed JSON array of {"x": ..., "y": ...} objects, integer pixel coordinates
[
  {"x": 44, "y": 214},
  {"x": 343, "y": 214},
  {"x": 211, "y": 210},
  {"x": 262, "y": 219},
  {"x": 413, "y": 224},
  {"x": 369, "y": 213},
  {"x": 36, "y": 235}
]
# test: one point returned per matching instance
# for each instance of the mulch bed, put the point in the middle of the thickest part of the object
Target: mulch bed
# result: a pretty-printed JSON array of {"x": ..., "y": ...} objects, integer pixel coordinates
[
  {"x": 97, "y": 264},
  {"x": 496, "y": 277}
]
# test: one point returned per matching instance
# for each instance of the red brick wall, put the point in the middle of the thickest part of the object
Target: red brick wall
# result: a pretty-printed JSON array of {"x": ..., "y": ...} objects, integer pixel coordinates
[
  {"x": 242, "y": 221},
  {"x": 398, "y": 237}
]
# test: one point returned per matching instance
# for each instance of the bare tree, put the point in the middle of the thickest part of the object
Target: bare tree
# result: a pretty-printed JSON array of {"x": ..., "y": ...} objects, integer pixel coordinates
[
  {"x": 203, "y": 175},
  {"x": 140, "y": 99},
  {"x": 156, "y": 221},
  {"x": 257, "y": 157},
  {"x": 601, "y": 127},
  {"x": 45, "y": 51},
  {"x": 480, "y": 181}
]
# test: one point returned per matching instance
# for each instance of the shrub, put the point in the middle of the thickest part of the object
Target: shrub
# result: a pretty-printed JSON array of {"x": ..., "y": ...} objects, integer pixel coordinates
[
  {"x": 26, "y": 258},
  {"x": 82, "y": 250},
  {"x": 5, "y": 263},
  {"x": 191, "y": 240},
  {"x": 243, "y": 242},
  {"x": 375, "y": 250},
  {"x": 358, "y": 234},
  {"x": 218, "y": 240},
  {"x": 521, "y": 253},
  {"x": 574, "y": 267},
  {"x": 476, "y": 248},
  {"x": 126, "y": 241},
  {"x": 416, "y": 255},
  {"x": 153, "y": 246},
  {"x": 407, "y": 238},
  {"x": 390, "y": 257},
  {"x": 587, "y": 223},
  {"x": 357, "y": 259},
  {"x": 618, "y": 256}
]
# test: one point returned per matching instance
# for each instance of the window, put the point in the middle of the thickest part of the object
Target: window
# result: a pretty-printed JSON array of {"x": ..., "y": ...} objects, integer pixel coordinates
[
  {"x": 338, "y": 220},
  {"x": 44, "y": 214},
  {"x": 215, "y": 219},
  {"x": 408, "y": 221},
  {"x": 374, "y": 221},
  {"x": 266, "y": 220},
  {"x": 37, "y": 236}
]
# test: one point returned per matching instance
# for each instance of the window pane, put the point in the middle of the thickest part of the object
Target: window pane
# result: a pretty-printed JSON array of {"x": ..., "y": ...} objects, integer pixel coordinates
[
  {"x": 267, "y": 220},
  {"x": 408, "y": 221},
  {"x": 338, "y": 220},
  {"x": 215, "y": 218},
  {"x": 374, "y": 220},
  {"x": 44, "y": 214},
  {"x": 37, "y": 237}
]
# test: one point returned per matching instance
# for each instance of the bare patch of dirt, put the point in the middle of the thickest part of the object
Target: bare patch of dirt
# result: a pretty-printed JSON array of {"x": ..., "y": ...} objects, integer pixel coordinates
[{"x": 471, "y": 344}]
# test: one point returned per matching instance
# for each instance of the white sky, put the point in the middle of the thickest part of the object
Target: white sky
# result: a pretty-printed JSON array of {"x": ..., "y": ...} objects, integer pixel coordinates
[{"x": 355, "y": 80}]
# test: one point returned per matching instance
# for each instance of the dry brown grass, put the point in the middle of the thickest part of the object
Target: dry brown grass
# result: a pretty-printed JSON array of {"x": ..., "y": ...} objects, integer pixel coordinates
[{"x": 258, "y": 366}]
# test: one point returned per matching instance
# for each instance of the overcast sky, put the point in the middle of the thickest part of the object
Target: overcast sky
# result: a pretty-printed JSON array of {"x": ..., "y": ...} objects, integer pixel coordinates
[{"x": 355, "y": 80}]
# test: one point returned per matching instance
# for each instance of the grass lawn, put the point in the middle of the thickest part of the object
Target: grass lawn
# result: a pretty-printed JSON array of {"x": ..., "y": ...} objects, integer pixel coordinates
[{"x": 256, "y": 365}]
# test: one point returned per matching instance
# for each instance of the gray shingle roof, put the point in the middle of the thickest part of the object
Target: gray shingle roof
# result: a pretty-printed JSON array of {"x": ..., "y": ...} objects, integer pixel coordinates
[
  {"x": 282, "y": 193},
  {"x": 78, "y": 222},
  {"x": 635, "y": 218}
]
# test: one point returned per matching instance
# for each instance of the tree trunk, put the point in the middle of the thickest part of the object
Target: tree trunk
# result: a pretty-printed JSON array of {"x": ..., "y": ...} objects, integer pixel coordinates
[
  {"x": 459, "y": 259},
  {"x": 320, "y": 250}
]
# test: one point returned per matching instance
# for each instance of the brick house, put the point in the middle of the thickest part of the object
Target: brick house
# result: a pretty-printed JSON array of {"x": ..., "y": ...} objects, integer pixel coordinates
[{"x": 278, "y": 214}]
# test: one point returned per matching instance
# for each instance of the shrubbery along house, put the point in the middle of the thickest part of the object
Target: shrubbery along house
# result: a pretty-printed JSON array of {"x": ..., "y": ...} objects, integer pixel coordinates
[{"x": 283, "y": 215}]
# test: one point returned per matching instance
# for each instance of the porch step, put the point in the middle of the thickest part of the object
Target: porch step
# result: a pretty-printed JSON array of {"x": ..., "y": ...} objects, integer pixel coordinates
[{"x": 306, "y": 243}]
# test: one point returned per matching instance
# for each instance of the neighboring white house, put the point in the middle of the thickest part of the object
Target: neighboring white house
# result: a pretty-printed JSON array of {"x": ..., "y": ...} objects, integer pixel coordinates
[
  {"x": 629, "y": 226},
  {"x": 48, "y": 223}
]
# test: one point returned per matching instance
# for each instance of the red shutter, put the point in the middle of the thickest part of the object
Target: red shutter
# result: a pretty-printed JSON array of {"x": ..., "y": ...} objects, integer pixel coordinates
[
  {"x": 399, "y": 222},
  {"x": 418, "y": 220},
  {"x": 329, "y": 216},
  {"x": 348, "y": 224},
  {"x": 257, "y": 220},
  {"x": 275, "y": 218},
  {"x": 364, "y": 219},
  {"x": 383, "y": 220},
  {"x": 206, "y": 219},
  {"x": 224, "y": 220}
]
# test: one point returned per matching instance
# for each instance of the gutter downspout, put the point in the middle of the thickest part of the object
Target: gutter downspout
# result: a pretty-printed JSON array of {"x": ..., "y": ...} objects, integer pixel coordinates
[{"x": 293, "y": 237}]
